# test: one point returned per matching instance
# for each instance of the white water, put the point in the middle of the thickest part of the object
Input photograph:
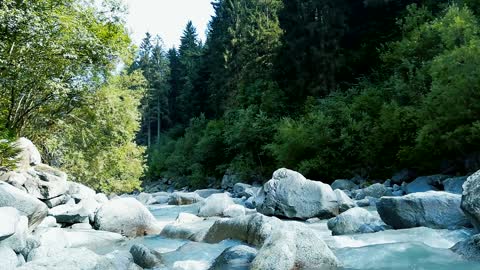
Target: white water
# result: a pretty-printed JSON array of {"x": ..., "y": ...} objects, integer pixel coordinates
[{"x": 410, "y": 249}]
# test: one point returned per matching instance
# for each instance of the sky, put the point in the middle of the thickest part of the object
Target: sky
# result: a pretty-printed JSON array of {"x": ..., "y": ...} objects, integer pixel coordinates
[{"x": 167, "y": 18}]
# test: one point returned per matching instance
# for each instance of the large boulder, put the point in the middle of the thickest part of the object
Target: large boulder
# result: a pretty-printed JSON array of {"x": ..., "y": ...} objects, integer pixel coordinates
[
  {"x": 289, "y": 194},
  {"x": 145, "y": 257},
  {"x": 8, "y": 259},
  {"x": 126, "y": 216},
  {"x": 229, "y": 180},
  {"x": 235, "y": 258},
  {"x": 425, "y": 183},
  {"x": 188, "y": 226},
  {"x": 295, "y": 246},
  {"x": 26, "y": 204},
  {"x": 354, "y": 221},
  {"x": 79, "y": 192},
  {"x": 344, "y": 202},
  {"x": 251, "y": 229},
  {"x": 18, "y": 240},
  {"x": 205, "y": 193},
  {"x": 234, "y": 210},
  {"x": 344, "y": 184},
  {"x": 215, "y": 205},
  {"x": 70, "y": 258},
  {"x": 433, "y": 209},
  {"x": 184, "y": 198},
  {"x": 243, "y": 190},
  {"x": 471, "y": 199},
  {"x": 45, "y": 182},
  {"x": 14, "y": 178},
  {"x": 70, "y": 213},
  {"x": 10, "y": 218},
  {"x": 374, "y": 191},
  {"x": 29, "y": 154},
  {"x": 454, "y": 185},
  {"x": 469, "y": 249}
]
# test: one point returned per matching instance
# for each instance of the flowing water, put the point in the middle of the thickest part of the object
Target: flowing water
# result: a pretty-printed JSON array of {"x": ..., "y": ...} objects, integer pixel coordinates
[{"x": 412, "y": 249}]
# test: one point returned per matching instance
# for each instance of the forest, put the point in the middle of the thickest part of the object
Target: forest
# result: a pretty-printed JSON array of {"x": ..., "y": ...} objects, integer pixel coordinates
[{"x": 329, "y": 88}]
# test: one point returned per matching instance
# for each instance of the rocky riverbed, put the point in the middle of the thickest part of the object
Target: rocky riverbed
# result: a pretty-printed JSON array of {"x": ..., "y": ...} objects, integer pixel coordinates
[{"x": 290, "y": 222}]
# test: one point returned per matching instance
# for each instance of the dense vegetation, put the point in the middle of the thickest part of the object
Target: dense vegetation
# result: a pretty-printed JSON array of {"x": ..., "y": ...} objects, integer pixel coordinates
[
  {"x": 57, "y": 87},
  {"x": 331, "y": 88}
]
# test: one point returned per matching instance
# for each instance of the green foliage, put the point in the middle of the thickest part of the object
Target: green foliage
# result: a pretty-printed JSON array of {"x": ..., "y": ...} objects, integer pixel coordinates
[
  {"x": 95, "y": 144},
  {"x": 8, "y": 152}
]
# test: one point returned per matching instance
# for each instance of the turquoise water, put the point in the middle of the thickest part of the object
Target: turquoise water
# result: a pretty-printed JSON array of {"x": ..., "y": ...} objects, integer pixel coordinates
[{"x": 410, "y": 249}]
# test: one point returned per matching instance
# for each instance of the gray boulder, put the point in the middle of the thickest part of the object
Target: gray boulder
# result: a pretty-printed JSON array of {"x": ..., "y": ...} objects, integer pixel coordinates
[
  {"x": 289, "y": 194},
  {"x": 17, "y": 241},
  {"x": 235, "y": 258},
  {"x": 126, "y": 216},
  {"x": 344, "y": 202},
  {"x": 79, "y": 192},
  {"x": 295, "y": 246},
  {"x": 14, "y": 178},
  {"x": 354, "y": 221},
  {"x": 10, "y": 218},
  {"x": 375, "y": 191},
  {"x": 469, "y": 249},
  {"x": 122, "y": 260},
  {"x": 215, "y": 205},
  {"x": 251, "y": 229},
  {"x": 8, "y": 259},
  {"x": 234, "y": 210},
  {"x": 26, "y": 204},
  {"x": 184, "y": 198},
  {"x": 29, "y": 154},
  {"x": 145, "y": 257},
  {"x": 62, "y": 199},
  {"x": 188, "y": 226},
  {"x": 454, "y": 185},
  {"x": 229, "y": 180},
  {"x": 243, "y": 190},
  {"x": 70, "y": 213},
  {"x": 205, "y": 193},
  {"x": 45, "y": 182},
  {"x": 344, "y": 184},
  {"x": 433, "y": 209},
  {"x": 471, "y": 199},
  {"x": 425, "y": 183}
]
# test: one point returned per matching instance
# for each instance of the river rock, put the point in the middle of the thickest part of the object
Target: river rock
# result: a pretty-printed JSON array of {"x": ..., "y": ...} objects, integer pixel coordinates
[
  {"x": 145, "y": 257},
  {"x": 101, "y": 198},
  {"x": 126, "y": 216},
  {"x": 70, "y": 258},
  {"x": 205, "y": 193},
  {"x": 243, "y": 190},
  {"x": 344, "y": 202},
  {"x": 471, "y": 199},
  {"x": 8, "y": 259},
  {"x": 49, "y": 222},
  {"x": 188, "y": 227},
  {"x": 79, "y": 191},
  {"x": 29, "y": 154},
  {"x": 251, "y": 229},
  {"x": 62, "y": 199},
  {"x": 289, "y": 194},
  {"x": 234, "y": 210},
  {"x": 26, "y": 204},
  {"x": 295, "y": 246},
  {"x": 45, "y": 182},
  {"x": 354, "y": 221},
  {"x": 17, "y": 241},
  {"x": 469, "y": 249},
  {"x": 344, "y": 184},
  {"x": 425, "y": 183},
  {"x": 70, "y": 213},
  {"x": 215, "y": 205},
  {"x": 14, "y": 178},
  {"x": 122, "y": 260},
  {"x": 235, "y": 258},
  {"x": 10, "y": 218},
  {"x": 184, "y": 198},
  {"x": 433, "y": 209},
  {"x": 229, "y": 180},
  {"x": 454, "y": 185},
  {"x": 375, "y": 191}
]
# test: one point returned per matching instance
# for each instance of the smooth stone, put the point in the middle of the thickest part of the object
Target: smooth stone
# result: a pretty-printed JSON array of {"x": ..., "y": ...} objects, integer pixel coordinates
[
  {"x": 454, "y": 185},
  {"x": 425, "y": 183},
  {"x": 183, "y": 198},
  {"x": 344, "y": 184},
  {"x": 145, "y": 257},
  {"x": 70, "y": 214},
  {"x": 205, "y": 193},
  {"x": 8, "y": 259},
  {"x": 29, "y": 154},
  {"x": 344, "y": 202},
  {"x": 469, "y": 249},
  {"x": 45, "y": 182},
  {"x": 471, "y": 199},
  {"x": 79, "y": 191},
  {"x": 354, "y": 221},
  {"x": 215, "y": 205},
  {"x": 235, "y": 258},
  {"x": 10, "y": 218}
]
